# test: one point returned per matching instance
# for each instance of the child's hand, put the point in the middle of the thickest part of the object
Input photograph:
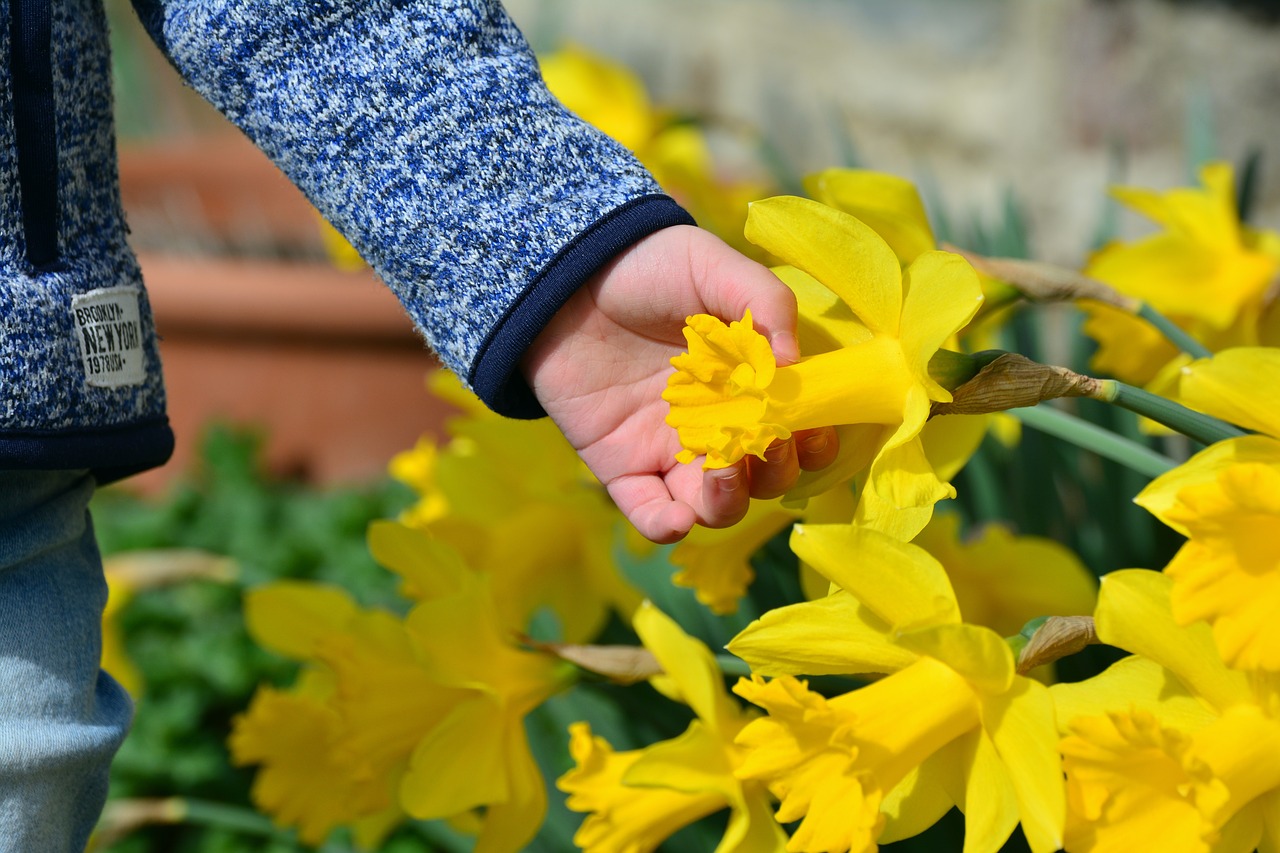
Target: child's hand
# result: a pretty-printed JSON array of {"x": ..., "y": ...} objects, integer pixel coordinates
[{"x": 600, "y": 367}]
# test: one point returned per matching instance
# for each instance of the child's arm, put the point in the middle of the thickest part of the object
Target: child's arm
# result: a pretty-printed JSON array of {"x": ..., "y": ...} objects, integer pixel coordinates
[{"x": 422, "y": 130}]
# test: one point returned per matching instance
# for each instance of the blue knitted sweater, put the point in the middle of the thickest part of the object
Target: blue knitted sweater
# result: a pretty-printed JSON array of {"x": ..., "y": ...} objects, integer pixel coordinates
[{"x": 419, "y": 128}]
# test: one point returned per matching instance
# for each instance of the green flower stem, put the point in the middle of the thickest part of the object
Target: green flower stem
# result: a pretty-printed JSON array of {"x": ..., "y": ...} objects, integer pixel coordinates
[
  {"x": 224, "y": 816},
  {"x": 1083, "y": 434},
  {"x": 733, "y": 666},
  {"x": 1175, "y": 335},
  {"x": 1201, "y": 427}
]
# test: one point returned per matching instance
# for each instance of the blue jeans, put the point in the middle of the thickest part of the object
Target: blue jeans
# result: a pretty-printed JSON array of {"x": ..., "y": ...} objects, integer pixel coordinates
[{"x": 61, "y": 718}]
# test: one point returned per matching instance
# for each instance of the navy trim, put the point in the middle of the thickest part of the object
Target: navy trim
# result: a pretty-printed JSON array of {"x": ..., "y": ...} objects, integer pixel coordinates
[
  {"x": 495, "y": 376},
  {"x": 111, "y": 453},
  {"x": 34, "y": 127}
]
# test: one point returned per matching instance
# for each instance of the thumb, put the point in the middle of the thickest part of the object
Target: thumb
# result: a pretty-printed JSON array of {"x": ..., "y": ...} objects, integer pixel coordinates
[{"x": 729, "y": 284}]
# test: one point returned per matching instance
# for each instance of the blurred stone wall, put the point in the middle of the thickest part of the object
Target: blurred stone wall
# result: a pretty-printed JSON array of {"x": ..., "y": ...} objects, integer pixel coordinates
[{"x": 983, "y": 96}]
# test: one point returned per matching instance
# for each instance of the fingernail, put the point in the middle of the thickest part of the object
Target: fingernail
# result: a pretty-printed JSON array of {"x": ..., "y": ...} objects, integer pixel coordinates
[
  {"x": 777, "y": 453},
  {"x": 728, "y": 479},
  {"x": 785, "y": 346},
  {"x": 816, "y": 443}
]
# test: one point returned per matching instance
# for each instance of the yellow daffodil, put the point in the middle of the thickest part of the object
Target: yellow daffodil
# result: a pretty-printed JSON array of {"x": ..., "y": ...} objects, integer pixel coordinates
[
  {"x": 1002, "y": 581},
  {"x": 1204, "y": 269},
  {"x": 636, "y": 799},
  {"x": 890, "y": 205},
  {"x": 951, "y": 724},
  {"x": 491, "y": 493},
  {"x": 1168, "y": 750},
  {"x": 1226, "y": 501},
  {"x": 729, "y": 399},
  {"x": 429, "y": 708}
]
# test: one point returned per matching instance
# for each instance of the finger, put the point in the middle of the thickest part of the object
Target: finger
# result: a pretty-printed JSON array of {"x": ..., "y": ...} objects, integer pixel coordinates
[
  {"x": 726, "y": 495},
  {"x": 817, "y": 448},
  {"x": 719, "y": 497},
  {"x": 646, "y": 502},
  {"x": 772, "y": 476}
]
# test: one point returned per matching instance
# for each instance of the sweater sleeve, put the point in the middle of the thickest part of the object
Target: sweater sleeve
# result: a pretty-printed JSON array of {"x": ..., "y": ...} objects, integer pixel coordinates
[{"x": 422, "y": 130}]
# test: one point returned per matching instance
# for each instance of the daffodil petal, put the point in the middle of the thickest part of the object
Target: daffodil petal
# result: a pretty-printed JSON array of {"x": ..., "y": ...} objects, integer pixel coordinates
[
  {"x": 1243, "y": 832},
  {"x": 1134, "y": 614},
  {"x": 835, "y": 635},
  {"x": 1133, "y": 682},
  {"x": 606, "y": 94},
  {"x": 1225, "y": 575},
  {"x": 942, "y": 295},
  {"x": 920, "y": 800},
  {"x": 303, "y": 781},
  {"x": 510, "y": 825},
  {"x": 836, "y": 249},
  {"x": 1021, "y": 725},
  {"x": 716, "y": 563},
  {"x": 289, "y": 617},
  {"x": 752, "y": 827},
  {"x": 1270, "y": 808},
  {"x": 825, "y": 322},
  {"x": 621, "y": 817},
  {"x": 1002, "y": 580},
  {"x": 692, "y": 763},
  {"x": 1171, "y": 273},
  {"x": 429, "y": 567},
  {"x": 1237, "y": 385},
  {"x": 1130, "y": 349},
  {"x": 899, "y": 582},
  {"x": 686, "y": 662},
  {"x": 368, "y": 833},
  {"x": 979, "y": 654},
  {"x": 900, "y": 492},
  {"x": 1161, "y": 494},
  {"x": 989, "y": 803},
  {"x": 949, "y": 442},
  {"x": 888, "y": 204},
  {"x": 443, "y": 780},
  {"x": 859, "y": 444}
]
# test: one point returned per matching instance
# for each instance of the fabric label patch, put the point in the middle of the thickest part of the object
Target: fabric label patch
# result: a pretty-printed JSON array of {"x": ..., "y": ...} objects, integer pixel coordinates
[{"x": 109, "y": 328}]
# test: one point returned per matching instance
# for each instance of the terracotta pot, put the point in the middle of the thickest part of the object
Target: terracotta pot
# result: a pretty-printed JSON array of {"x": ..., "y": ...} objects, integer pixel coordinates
[{"x": 325, "y": 363}]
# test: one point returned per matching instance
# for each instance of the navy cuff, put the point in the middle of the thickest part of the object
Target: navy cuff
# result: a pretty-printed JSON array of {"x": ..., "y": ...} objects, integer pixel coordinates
[
  {"x": 495, "y": 376},
  {"x": 110, "y": 453}
]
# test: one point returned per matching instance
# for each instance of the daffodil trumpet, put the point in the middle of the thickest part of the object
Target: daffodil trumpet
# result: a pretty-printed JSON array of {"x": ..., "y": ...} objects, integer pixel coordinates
[{"x": 729, "y": 399}]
